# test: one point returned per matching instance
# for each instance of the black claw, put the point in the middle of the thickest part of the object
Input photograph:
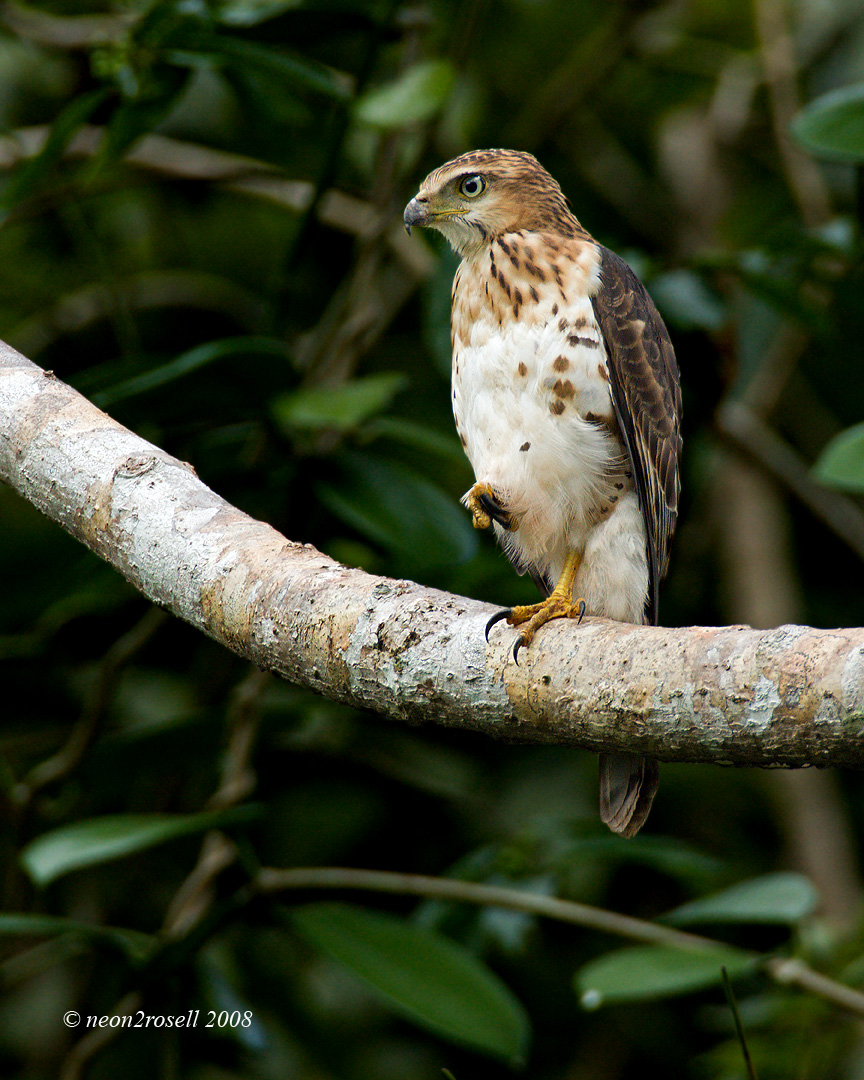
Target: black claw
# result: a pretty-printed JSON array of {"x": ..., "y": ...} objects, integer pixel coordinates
[
  {"x": 497, "y": 617},
  {"x": 494, "y": 509},
  {"x": 520, "y": 641},
  {"x": 581, "y": 612}
]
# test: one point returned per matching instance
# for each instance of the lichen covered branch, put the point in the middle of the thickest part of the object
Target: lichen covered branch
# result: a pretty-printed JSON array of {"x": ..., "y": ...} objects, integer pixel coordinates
[{"x": 792, "y": 696}]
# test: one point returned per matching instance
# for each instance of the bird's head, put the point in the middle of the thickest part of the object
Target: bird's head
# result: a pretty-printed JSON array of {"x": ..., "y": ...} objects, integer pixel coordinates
[{"x": 487, "y": 193}]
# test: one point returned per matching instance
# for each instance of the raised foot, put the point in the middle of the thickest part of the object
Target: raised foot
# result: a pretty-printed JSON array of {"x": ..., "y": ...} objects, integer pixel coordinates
[
  {"x": 485, "y": 508},
  {"x": 531, "y": 617}
]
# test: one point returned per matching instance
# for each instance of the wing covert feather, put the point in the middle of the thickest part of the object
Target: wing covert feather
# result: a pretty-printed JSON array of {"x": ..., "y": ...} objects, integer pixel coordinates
[{"x": 646, "y": 393}]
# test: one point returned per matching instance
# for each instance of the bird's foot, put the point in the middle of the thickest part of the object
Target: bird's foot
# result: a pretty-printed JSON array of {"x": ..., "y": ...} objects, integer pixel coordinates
[
  {"x": 530, "y": 617},
  {"x": 485, "y": 508}
]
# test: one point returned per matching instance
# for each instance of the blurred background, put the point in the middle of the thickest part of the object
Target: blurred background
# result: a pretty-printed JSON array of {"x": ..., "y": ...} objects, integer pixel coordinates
[{"x": 201, "y": 206}]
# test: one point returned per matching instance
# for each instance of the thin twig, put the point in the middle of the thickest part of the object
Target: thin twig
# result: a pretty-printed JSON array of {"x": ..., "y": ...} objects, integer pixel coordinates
[
  {"x": 794, "y": 972},
  {"x": 64, "y": 32},
  {"x": 238, "y": 779},
  {"x": 784, "y": 971},
  {"x": 271, "y": 880},
  {"x": 779, "y": 361},
  {"x": 780, "y": 67},
  {"x": 96, "y": 1039},
  {"x": 747, "y": 431},
  {"x": 739, "y": 1027},
  {"x": 236, "y": 173},
  {"x": 196, "y": 894},
  {"x": 62, "y": 763}
]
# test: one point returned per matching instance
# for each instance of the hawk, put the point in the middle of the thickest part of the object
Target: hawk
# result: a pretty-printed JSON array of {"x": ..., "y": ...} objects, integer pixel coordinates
[{"x": 567, "y": 403}]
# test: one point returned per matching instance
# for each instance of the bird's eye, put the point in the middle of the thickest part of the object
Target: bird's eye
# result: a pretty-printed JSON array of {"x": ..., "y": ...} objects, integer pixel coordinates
[{"x": 472, "y": 186}]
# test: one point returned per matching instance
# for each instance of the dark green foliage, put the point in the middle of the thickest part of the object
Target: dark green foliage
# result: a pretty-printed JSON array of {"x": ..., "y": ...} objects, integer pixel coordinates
[
  {"x": 833, "y": 125},
  {"x": 431, "y": 980},
  {"x": 203, "y": 236}
]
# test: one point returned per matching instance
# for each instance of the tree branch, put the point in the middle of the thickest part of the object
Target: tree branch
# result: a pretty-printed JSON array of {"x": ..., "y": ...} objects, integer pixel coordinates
[{"x": 791, "y": 696}]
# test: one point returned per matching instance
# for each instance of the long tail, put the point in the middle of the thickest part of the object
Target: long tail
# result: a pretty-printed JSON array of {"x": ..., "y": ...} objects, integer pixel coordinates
[{"x": 628, "y": 784}]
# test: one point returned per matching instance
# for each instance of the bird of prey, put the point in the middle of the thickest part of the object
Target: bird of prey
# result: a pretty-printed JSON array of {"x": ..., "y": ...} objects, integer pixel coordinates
[{"x": 567, "y": 402}]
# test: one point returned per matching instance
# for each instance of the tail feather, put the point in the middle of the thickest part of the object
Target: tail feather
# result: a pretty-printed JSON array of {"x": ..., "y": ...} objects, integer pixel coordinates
[{"x": 628, "y": 784}]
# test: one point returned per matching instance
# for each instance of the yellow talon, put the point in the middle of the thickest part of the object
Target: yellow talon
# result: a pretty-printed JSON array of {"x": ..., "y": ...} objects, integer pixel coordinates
[
  {"x": 485, "y": 507},
  {"x": 559, "y": 604}
]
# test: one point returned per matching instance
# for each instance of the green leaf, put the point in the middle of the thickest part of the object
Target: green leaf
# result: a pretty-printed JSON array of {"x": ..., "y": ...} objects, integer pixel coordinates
[
  {"x": 775, "y": 898},
  {"x": 772, "y": 290},
  {"x": 661, "y": 853},
  {"x": 436, "y": 312},
  {"x": 686, "y": 301},
  {"x": 653, "y": 971},
  {"x": 158, "y": 92},
  {"x": 29, "y": 177},
  {"x": 841, "y": 462},
  {"x": 832, "y": 126},
  {"x": 137, "y": 946},
  {"x": 419, "y": 436},
  {"x": 422, "y": 975},
  {"x": 401, "y": 510},
  {"x": 98, "y": 840},
  {"x": 188, "y": 362},
  {"x": 277, "y": 65},
  {"x": 217, "y": 979},
  {"x": 341, "y": 407},
  {"x": 416, "y": 95},
  {"x": 252, "y": 12}
]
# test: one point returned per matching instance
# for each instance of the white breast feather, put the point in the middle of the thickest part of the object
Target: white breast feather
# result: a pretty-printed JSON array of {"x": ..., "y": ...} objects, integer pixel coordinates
[{"x": 561, "y": 476}]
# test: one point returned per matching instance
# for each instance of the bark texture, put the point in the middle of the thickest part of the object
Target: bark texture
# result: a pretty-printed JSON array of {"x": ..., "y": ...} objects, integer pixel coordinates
[{"x": 792, "y": 696}]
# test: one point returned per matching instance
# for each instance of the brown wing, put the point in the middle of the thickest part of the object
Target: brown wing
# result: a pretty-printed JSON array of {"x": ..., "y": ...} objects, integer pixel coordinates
[{"x": 646, "y": 394}]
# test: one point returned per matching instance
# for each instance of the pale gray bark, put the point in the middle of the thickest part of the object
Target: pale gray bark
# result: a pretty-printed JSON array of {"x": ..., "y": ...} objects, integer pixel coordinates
[{"x": 790, "y": 696}]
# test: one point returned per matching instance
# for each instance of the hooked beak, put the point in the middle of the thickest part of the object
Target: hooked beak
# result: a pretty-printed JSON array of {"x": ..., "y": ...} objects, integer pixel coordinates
[{"x": 416, "y": 213}]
